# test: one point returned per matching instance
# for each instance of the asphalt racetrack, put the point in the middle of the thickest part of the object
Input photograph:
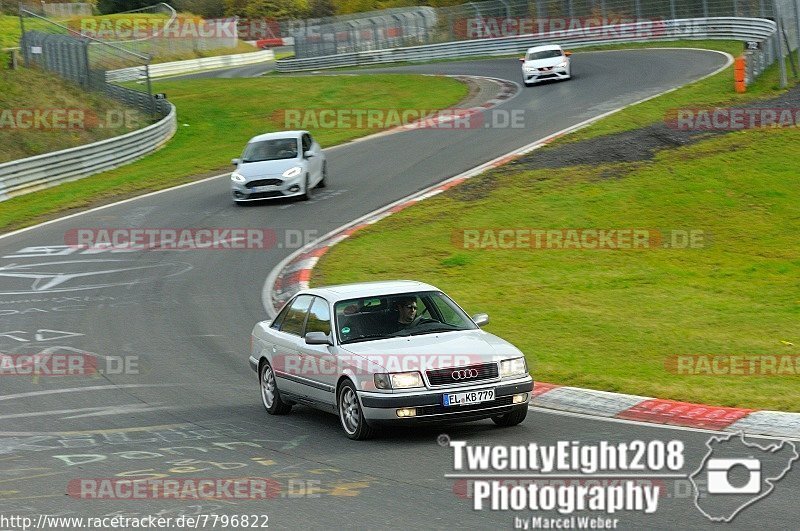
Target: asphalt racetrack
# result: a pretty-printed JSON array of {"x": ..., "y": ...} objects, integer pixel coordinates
[{"x": 186, "y": 406}]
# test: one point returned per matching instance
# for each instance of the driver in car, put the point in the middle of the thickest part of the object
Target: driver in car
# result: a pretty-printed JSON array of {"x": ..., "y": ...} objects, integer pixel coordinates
[{"x": 406, "y": 311}]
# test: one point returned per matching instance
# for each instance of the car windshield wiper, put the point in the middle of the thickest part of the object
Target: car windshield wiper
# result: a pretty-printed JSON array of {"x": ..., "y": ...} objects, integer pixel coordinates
[
  {"x": 362, "y": 338},
  {"x": 438, "y": 329}
]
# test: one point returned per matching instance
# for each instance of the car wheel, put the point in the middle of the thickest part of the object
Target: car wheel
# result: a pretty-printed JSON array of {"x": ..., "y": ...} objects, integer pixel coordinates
[
  {"x": 350, "y": 414},
  {"x": 270, "y": 396},
  {"x": 511, "y": 419},
  {"x": 324, "y": 181},
  {"x": 306, "y": 189}
]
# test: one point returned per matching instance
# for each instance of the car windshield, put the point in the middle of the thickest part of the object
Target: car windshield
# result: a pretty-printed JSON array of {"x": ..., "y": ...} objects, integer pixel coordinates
[
  {"x": 275, "y": 149},
  {"x": 398, "y": 315},
  {"x": 544, "y": 54}
]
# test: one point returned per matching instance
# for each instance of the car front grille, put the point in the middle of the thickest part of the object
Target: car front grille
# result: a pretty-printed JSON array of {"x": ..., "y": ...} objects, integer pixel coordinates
[
  {"x": 472, "y": 373},
  {"x": 264, "y": 182},
  {"x": 437, "y": 410},
  {"x": 264, "y": 195}
]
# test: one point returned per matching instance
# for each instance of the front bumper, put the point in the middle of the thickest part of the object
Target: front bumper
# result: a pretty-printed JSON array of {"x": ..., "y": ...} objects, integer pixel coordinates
[
  {"x": 288, "y": 188},
  {"x": 381, "y": 408},
  {"x": 537, "y": 75}
]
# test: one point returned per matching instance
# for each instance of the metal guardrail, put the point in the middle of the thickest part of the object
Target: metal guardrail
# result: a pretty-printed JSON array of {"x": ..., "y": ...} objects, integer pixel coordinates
[
  {"x": 720, "y": 28},
  {"x": 23, "y": 176},
  {"x": 191, "y": 65}
]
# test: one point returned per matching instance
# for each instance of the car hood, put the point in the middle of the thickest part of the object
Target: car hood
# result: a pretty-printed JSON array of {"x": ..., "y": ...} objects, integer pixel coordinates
[
  {"x": 434, "y": 351},
  {"x": 543, "y": 63},
  {"x": 254, "y": 170}
]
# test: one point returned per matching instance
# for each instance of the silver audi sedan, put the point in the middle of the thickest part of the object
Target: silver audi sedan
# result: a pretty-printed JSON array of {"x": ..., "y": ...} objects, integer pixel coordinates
[
  {"x": 282, "y": 164},
  {"x": 390, "y": 352}
]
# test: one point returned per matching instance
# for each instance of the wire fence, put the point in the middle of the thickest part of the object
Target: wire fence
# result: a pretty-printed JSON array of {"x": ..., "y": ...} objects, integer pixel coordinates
[
  {"x": 159, "y": 31},
  {"x": 374, "y": 30},
  {"x": 84, "y": 61}
]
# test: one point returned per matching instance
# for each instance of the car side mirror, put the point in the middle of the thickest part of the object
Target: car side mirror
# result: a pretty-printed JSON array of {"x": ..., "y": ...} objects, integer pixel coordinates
[
  {"x": 481, "y": 319},
  {"x": 235, "y": 162},
  {"x": 308, "y": 154},
  {"x": 521, "y": 59},
  {"x": 318, "y": 338},
  {"x": 567, "y": 53}
]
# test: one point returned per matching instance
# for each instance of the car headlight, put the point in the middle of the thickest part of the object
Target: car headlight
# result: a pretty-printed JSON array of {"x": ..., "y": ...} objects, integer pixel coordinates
[
  {"x": 293, "y": 171},
  {"x": 562, "y": 65},
  {"x": 513, "y": 367},
  {"x": 398, "y": 380},
  {"x": 237, "y": 177}
]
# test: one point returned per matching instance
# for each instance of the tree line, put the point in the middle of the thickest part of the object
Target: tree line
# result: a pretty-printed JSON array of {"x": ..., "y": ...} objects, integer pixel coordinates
[{"x": 297, "y": 9}]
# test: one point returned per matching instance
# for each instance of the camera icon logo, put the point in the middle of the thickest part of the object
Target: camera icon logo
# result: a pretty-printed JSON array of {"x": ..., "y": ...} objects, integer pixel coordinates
[
  {"x": 718, "y": 476},
  {"x": 735, "y": 474}
]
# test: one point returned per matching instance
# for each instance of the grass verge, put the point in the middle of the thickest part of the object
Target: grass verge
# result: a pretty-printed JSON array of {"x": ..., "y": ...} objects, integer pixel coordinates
[
  {"x": 28, "y": 89},
  {"x": 613, "y": 320},
  {"x": 214, "y": 123},
  {"x": 104, "y": 26}
]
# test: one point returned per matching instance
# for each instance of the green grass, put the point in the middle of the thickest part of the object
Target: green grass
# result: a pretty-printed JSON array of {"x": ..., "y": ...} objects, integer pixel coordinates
[
  {"x": 214, "y": 123},
  {"x": 26, "y": 89},
  {"x": 609, "y": 320}
]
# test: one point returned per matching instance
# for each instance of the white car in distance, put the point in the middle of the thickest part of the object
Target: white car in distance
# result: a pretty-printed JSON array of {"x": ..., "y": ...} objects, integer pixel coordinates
[{"x": 545, "y": 62}]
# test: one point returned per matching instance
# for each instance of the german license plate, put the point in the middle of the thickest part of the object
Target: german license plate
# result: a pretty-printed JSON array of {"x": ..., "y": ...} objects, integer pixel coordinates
[
  {"x": 263, "y": 188},
  {"x": 468, "y": 397}
]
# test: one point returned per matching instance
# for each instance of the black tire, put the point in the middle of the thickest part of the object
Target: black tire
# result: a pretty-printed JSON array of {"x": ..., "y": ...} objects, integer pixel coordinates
[
  {"x": 306, "y": 189},
  {"x": 350, "y": 415},
  {"x": 511, "y": 419},
  {"x": 270, "y": 396},
  {"x": 324, "y": 181}
]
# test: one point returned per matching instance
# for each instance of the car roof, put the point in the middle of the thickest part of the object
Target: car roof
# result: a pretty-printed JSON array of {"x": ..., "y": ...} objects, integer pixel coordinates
[
  {"x": 277, "y": 134},
  {"x": 369, "y": 289},
  {"x": 543, "y": 48}
]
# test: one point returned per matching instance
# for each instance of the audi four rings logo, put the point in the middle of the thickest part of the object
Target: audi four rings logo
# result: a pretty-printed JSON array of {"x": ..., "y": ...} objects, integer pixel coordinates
[{"x": 465, "y": 374}]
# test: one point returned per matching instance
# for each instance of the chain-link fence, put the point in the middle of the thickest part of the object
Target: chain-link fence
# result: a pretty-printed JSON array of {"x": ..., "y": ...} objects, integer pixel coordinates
[
  {"x": 374, "y": 30},
  {"x": 158, "y": 31},
  {"x": 84, "y": 61}
]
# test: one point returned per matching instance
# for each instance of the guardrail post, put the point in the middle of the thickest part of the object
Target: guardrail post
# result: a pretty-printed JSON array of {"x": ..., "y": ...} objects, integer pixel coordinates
[
  {"x": 705, "y": 8},
  {"x": 153, "y": 110},
  {"x": 797, "y": 27},
  {"x": 779, "y": 45},
  {"x": 87, "y": 71}
]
